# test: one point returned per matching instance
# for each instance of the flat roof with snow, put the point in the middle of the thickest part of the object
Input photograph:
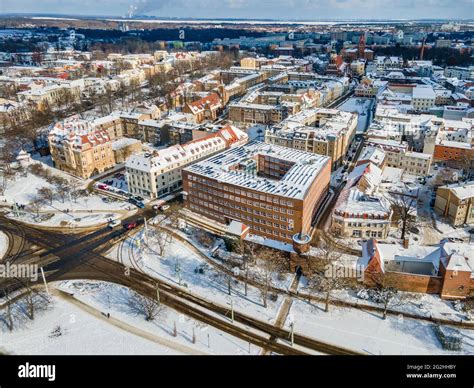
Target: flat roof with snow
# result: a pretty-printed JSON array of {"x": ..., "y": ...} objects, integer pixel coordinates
[{"x": 294, "y": 184}]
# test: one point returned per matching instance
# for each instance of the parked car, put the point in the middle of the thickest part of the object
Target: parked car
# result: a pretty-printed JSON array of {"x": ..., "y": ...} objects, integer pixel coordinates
[{"x": 103, "y": 187}]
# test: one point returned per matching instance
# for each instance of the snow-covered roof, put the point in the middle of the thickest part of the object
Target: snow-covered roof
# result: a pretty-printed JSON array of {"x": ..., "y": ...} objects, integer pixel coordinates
[
  {"x": 78, "y": 133},
  {"x": 463, "y": 190},
  {"x": 424, "y": 92},
  {"x": 397, "y": 253},
  {"x": 372, "y": 154},
  {"x": 304, "y": 170},
  {"x": 183, "y": 154},
  {"x": 461, "y": 256},
  {"x": 357, "y": 204},
  {"x": 123, "y": 142}
]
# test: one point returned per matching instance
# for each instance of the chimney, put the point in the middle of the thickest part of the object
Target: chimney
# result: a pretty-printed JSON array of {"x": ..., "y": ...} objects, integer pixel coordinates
[{"x": 406, "y": 242}]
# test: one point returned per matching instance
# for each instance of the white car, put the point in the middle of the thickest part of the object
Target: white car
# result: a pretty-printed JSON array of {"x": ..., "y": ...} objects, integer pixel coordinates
[
  {"x": 114, "y": 223},
  {"x": 160, "y": 207}
]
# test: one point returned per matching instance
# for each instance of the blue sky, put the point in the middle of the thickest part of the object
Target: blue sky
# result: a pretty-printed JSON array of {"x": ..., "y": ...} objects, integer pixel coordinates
[{"x": 275, "y": 9}]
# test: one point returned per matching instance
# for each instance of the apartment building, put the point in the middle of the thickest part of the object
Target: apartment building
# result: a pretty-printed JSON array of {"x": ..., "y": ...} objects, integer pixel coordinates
[
  {"x": 398, "y": 156},
  {"x": 50, "y": 96},
  {"x": 321, "y": 131},
  {"x": 359, "y": 211},
  {"x": 423, "y": 98},
  {"x": 154, "y": 175},
  {"x": 456, "y": 203},
  {"x": 461, "y": 73},
  {"x": 248, "y": 113},
  {"x": 362, "y": 216},
  {"x": 273, "y": 190},
  {"x": 80, "y": 149}
]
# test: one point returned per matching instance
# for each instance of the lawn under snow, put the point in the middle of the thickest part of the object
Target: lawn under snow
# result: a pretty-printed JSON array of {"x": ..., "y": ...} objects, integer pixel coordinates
[
  {"x": 423, "y": 305},
  {"x": 79, "y": 333},
  {"x": 84, "y": 211},
  {"x": 368, "y": 333}
]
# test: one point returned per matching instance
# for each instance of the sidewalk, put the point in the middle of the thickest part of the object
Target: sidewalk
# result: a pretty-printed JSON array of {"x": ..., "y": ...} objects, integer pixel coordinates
[{"x": 284, "y": 309}]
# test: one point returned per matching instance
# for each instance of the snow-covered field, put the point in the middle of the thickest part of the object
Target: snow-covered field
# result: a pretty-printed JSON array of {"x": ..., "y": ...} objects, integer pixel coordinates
[
  {"x": 423, "y": 305},
  {"x": 114, "y": 299},
  {"x": 79, "y": 333},
  {"x": 368, "y": 333},
  {"x": 3, "y": 244},
  {"x": 101, "y": 318},
  {"x": 180, "y": 265}
]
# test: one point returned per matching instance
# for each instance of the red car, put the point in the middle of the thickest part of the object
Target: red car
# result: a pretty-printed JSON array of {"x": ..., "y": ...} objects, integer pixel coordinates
[
  {"x": 102, "y": 187},
  {"x": 131, "y": 225}
]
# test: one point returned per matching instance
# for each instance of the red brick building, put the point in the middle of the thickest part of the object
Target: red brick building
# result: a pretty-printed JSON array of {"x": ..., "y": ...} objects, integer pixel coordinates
[
  {"x": 456, "y": 153},
  {"x": 446, "y": 269},
  {"x": 273, "y": 190}
]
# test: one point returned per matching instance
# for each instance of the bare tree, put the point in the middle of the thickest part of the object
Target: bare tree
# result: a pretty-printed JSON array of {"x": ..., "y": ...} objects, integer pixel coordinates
[
  {"x": 388, "y": 290},
  {"x": 62, "y": 187},
  {"x": 75, "y": 188},
  {"x": 163, "y": 239},
  {"x": 8, "y": 314},
  {"x": 404, "y": 207},
  {"x": 34, "y": 300},
  {"x": 148, "y": 307},
  {"x": 46, "y": 194},
  {"x": 36, "y": 203},
  {"x": 248, "y": 251},
  {"x": 270, "y": 262},
  {"x": 326, "y": 274}
]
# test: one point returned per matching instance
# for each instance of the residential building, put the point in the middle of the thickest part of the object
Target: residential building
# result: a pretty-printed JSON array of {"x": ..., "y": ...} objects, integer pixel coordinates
[
  {"x": 154, "y": 175},
  {"x": 322, "y": 131},
  {"x": 359, "y": 211},
  {"x": 456, "y": 203},
  {"x": 423, "y": 98},
  {"x": 206, "y": 108},
  {"x": 80, "y": 149}
]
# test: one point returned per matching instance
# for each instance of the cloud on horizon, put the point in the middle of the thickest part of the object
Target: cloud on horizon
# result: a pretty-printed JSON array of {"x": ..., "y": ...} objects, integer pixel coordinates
[{"x": 258, "y": 9}]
